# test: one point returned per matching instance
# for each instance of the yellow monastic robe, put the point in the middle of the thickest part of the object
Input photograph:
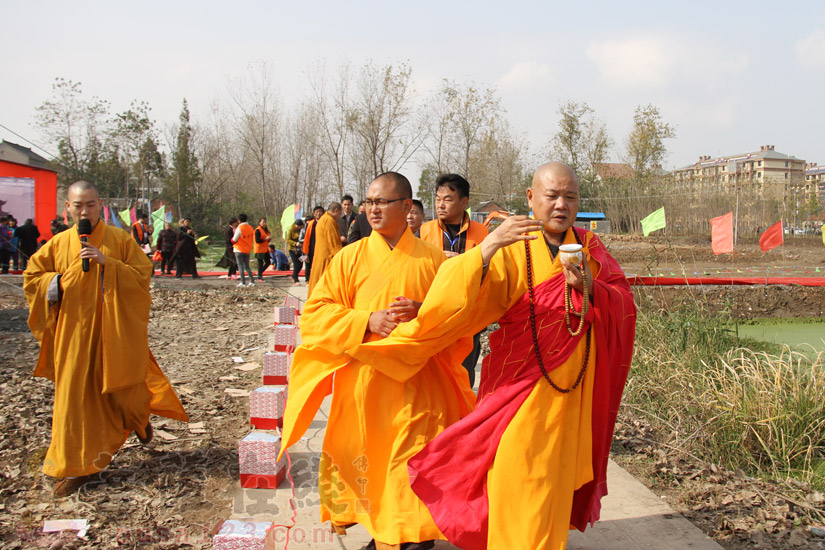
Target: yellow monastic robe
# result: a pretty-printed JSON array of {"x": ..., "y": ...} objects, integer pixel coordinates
[
  {"x": 327, "y": 243},
  {"x": 545, "y": 451},
  {"x": 94, "y": 346},
  {"x": 378, "y": 417}
]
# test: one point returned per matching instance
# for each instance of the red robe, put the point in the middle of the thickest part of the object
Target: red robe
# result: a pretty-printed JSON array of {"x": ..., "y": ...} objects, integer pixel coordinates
[{"x": 451, "y": 473}]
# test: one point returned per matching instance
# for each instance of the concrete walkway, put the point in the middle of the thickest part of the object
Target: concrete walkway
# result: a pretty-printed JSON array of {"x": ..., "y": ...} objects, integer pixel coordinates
[{"x": 632, "y": 516}]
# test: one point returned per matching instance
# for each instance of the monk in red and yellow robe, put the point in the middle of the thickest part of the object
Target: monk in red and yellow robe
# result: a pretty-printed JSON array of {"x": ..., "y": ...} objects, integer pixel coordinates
[
  {"x": 529, "y": 463},
  {"x": 94, "y": 344},
  {"x": 378, "y": 417},
  {"x": 327, "y": 244}
]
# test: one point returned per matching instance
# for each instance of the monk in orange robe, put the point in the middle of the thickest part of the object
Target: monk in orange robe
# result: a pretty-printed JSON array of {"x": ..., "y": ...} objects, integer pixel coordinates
[
  {"x": 529, "y": 463},
  {"x": 378, "y": 417},
  {"x": 93, "y": 332},
  {"x": 327, "y": 243}
]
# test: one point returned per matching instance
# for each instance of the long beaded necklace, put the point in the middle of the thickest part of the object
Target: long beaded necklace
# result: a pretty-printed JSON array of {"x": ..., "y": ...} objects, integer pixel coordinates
[{"x": 568, "y": 307}]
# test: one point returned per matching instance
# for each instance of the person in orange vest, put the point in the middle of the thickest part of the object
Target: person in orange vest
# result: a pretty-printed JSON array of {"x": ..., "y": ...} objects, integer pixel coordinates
[
  {"x": 242, "y": 242},
  {"x": 141, "y": 232},
  {"x": 309, "y": 241},
  {"x": 261, "y": 247},
  {"x": 455, "y": 233}
]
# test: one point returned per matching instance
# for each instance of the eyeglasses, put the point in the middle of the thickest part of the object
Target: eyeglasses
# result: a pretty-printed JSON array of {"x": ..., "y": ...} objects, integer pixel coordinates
[{"x": 381, "y": 203}]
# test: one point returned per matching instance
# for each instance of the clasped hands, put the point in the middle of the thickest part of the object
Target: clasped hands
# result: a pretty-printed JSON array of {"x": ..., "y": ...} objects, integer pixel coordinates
[{"x": 383, "y": 321}]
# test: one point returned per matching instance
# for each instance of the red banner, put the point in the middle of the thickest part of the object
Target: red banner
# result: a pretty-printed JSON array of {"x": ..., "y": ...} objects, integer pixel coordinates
[
  {"x": 772, "y": 237},
  {"x": 721, "y": 234}
]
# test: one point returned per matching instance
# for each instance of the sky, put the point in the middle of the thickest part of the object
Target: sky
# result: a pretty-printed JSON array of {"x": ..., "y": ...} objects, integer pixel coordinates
[{"x": 729, "y": 76}]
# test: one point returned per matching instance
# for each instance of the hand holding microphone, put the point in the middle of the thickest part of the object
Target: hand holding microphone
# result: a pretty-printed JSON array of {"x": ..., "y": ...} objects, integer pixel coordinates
[{"x": 84, "y": 230}]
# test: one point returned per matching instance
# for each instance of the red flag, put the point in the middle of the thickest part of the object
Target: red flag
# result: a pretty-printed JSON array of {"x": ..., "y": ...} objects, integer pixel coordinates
[
  {"x": 721, "y": 234},
  {"x": 65, "y": 219},
  {"x": 772, "y": 237}
]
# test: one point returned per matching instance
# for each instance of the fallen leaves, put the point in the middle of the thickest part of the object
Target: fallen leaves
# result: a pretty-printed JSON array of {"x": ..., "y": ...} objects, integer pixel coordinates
[{"x": 166, "y": 495}]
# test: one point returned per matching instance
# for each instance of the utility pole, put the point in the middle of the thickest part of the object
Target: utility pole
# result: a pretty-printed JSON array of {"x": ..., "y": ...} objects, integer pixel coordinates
[{"x": 736, "y": 217}]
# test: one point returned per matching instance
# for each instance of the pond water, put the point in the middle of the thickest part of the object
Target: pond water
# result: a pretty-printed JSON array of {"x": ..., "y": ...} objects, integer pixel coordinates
[{"x": 791, "y": 332}]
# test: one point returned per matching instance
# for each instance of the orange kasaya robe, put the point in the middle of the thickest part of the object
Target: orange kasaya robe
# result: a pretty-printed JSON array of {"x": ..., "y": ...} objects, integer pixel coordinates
[
  {"x": 94, "y": 346},
  {"x": 529, "y": 462},
  {"x": 378, "y": 417},
  {"x": 327, "y": 244}
]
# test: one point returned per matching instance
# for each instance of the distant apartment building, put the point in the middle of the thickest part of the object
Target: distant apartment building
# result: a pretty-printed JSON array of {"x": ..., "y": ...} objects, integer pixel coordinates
[
  {"x": 815, "y": 181},
  {"x": 765, "y": 173}
]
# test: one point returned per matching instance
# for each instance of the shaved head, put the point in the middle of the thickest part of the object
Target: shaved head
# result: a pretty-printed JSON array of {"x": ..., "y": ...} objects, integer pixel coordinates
[
  {"x": 400, "y": 183},
  {"x": 335, "y": 210},
  {"x": 554, "y": 199},
  {"x": 83, "y": 202},
  {"x": 551, "y": 170},
  {"x": 82, "y": 185}
]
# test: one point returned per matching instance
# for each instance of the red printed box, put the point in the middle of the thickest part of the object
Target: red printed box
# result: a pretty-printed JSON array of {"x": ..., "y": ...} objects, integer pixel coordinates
[
  {"x": 285, "y": 338},
  {"x": 266, "y": 407},
  {"x": 257, "y": 457},
  {"x": 276, "y": 368},
  {"x": 242, "y": 535},
  {"x": 285, "y": 315},
  {"x": 293, "y": 302}
]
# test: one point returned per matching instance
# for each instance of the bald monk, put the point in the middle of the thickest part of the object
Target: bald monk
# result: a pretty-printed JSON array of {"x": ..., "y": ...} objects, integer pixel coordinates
[
  {"x": 93, "y": 332},
  {"x": 529, "y": 462},
  {"x": 327, "y": 243},
  {"x": 378, "y": 417}
]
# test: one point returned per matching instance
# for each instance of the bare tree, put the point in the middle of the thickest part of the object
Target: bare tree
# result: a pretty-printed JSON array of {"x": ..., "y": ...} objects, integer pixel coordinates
[
  {"x": 381, "y": 120},
  {"x": 305, "y": 158},
  {"x": 581, "y": 141},
  {"x": 74, "y": 124},
  {"x": 473, "y": 111},
  {"x": 332, "y": 115},
  {"x": 256, "y": 126},
  {"x": 134, "y": 130}
]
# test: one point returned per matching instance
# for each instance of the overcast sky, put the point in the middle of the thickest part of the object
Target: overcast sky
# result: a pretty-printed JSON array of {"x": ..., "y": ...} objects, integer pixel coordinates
[{"x": 730, "y": 76}]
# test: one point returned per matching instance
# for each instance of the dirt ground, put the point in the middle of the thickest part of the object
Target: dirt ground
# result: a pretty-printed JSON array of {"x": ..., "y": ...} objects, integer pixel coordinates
[{"x": 172, "y": 494}]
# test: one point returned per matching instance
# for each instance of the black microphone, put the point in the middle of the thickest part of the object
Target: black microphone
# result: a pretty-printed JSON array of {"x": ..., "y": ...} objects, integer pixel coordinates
[{"x": 84, "y": 229}]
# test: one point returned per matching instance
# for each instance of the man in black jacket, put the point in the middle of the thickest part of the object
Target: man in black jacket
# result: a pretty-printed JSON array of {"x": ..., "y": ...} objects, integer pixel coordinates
[
  {"x": 346, "y": 218},
  {"x": 359, "y": 228}
]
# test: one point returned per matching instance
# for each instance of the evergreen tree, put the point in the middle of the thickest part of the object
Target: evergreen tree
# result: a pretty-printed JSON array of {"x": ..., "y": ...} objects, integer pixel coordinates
[{"x": 182, "y": 182}]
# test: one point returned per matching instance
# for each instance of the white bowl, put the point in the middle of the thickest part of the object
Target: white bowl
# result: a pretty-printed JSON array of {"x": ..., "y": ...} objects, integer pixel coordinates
[{"x": 571, "y": 254}]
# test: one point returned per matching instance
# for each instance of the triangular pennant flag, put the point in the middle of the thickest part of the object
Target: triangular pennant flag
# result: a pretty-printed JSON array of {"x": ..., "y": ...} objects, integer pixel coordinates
[
  {"x": 65, "y": 219},
  {"x": 288, "y": 218},
  {"x": 124, "y": 217},
  {"x": 772, "y": 237},
  {"x": 653, "y": 221},
  {"x": 132, "y": 215},
  {"x": 106, "y": 215},
  {"x": 169, "y": 216},
  {"x": 114, "y": 219},
  {"x": 721, "y": 234},
  {"x": 157, "y": 223}
]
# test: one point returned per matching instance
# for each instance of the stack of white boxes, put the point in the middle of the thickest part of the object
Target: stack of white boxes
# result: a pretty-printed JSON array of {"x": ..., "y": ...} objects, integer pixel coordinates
[
  {"x": 242, "y": 535},
  {"x": 258, "y": 451}
]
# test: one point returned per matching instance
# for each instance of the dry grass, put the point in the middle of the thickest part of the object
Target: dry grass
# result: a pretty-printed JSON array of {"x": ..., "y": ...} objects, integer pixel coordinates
[{"x": 731, "y": 402}]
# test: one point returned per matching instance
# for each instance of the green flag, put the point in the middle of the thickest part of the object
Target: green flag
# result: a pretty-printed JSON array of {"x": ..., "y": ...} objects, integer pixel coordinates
[
  {"x": 653, "y": 221},
  {"x": 157, "y": 223},
  {"x": 289, "y": 217},
  {"x": 127, "y": 220}
]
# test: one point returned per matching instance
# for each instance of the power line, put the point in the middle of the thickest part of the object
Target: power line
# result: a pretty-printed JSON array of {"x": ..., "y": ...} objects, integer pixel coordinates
[{"x": 30, "y": 142}]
